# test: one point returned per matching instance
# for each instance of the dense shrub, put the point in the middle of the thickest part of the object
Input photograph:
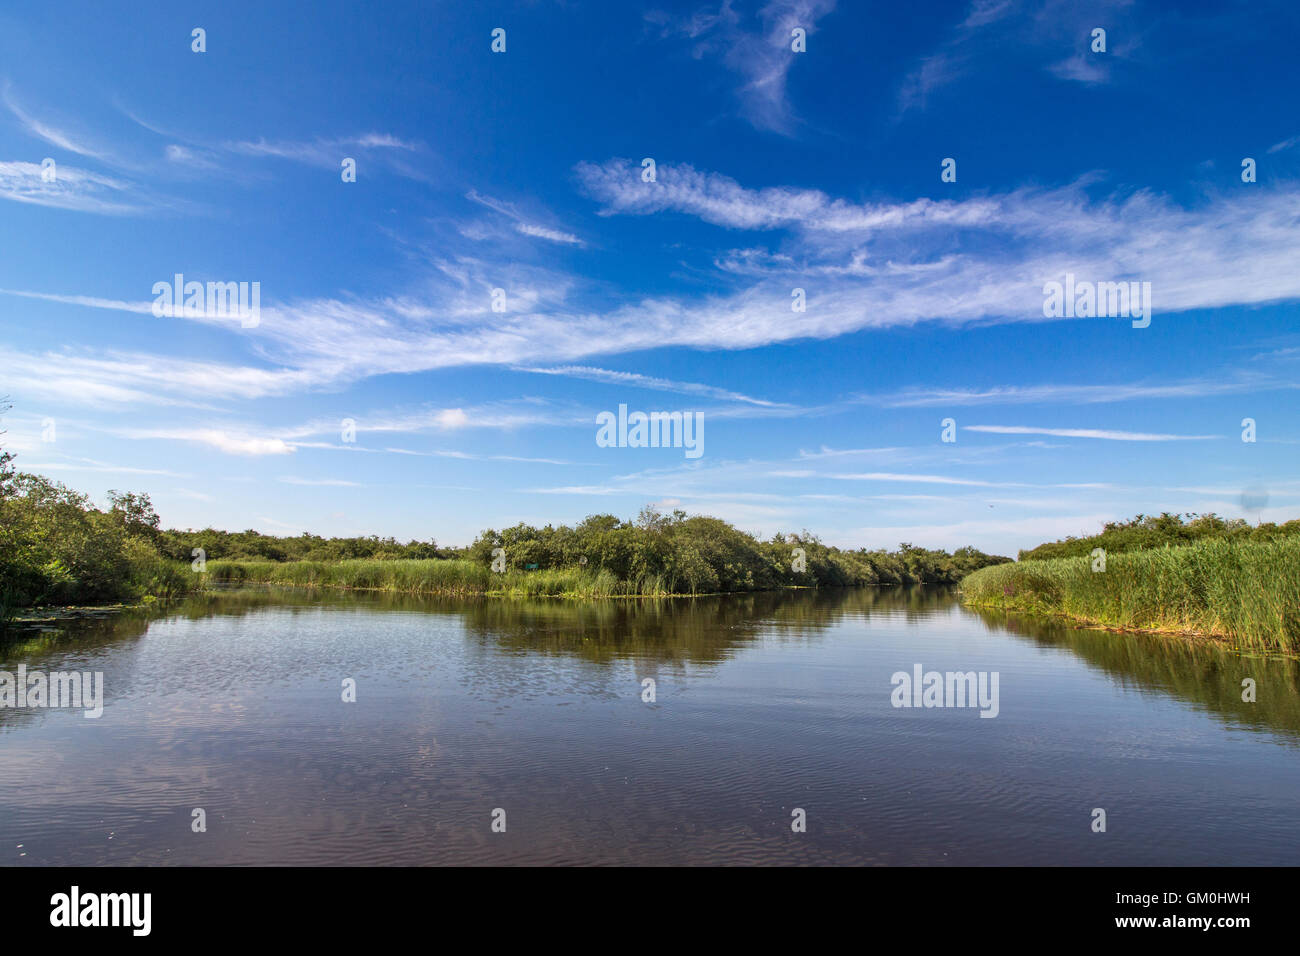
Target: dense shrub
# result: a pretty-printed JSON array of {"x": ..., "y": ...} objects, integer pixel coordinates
[
  {"x": 676, "y": 554},
  {"x": 57, "y": 548},
  {"x": 1174, "y": 530}
]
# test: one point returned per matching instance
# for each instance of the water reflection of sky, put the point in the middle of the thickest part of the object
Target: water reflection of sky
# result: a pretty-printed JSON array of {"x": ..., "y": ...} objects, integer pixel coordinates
[{"x": 763, "y": 703}]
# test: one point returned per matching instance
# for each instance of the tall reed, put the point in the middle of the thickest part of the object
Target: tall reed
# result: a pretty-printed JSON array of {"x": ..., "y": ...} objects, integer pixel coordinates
[
  {"x": 431, "y": 576},
  {"x": 1248, "y": 592}
]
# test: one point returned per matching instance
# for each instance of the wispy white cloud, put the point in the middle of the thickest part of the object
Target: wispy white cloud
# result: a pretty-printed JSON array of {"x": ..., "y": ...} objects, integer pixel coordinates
[
  {"x": 825, "y": 452},
  {"x": 542, "y": 232},
  {"x": 1038, "y": 30},
  {"x": 91, "y": 465},
  {"x": 1072, "y": 394},
  {"x": 223, "y": 441},
  {"x": 469, "y": 456},
  {"x": 1085, "y": 68},
  {"x": 319, "y": 482},
  {"x": 44, "y": 130},
  {"x": 581, "y": 490},
  {"x": 1100, "y": 433},
  {"x": 637, "y": 380},
  {"x": 503, "y": 416},
  {"x": 71, "y": 188},
  {"x": 89, "y": 191},
  {"x": 963, "y": 261},
  {"x": 760, "y": 53},
  {"x": 524, "y": 226},
  {"x": 192, "y": 158},
  {"x": 319, "y": 152},
  {"x": 197, "y": 155},
  {"x": 89, "y": 301},
  {"x": 131, "y": 378},
  {"x": 1202, "y": 256},
  {"x": 330, "y": 152},
  {"x": 920, "y": 479}
]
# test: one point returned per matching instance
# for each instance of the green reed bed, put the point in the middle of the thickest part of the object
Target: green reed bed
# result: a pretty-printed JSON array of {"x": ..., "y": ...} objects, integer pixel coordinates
[
  {"x": 432, "y": 576},
  {"x": 1247, "y": 592}
]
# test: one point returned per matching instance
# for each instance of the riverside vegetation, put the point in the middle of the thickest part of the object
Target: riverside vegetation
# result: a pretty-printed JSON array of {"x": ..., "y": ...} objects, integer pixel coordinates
[
  {"x": 604, "y": 556},
  {"x": 57, "y": 548},
  {"x": 1204, "y": 575},
  {"x": 1198, "y": 574}
]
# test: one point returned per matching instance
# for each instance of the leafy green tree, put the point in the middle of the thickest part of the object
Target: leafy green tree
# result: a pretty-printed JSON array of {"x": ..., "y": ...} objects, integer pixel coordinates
[{"x": 135, "y": 513}]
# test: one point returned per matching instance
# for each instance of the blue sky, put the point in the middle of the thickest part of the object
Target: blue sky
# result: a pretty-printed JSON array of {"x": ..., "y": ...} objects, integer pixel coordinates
[{"x": 775, "y": 170}]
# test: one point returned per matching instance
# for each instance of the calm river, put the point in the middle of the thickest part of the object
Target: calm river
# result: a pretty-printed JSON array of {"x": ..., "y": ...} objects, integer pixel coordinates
[{"x": 535, "y": 714}]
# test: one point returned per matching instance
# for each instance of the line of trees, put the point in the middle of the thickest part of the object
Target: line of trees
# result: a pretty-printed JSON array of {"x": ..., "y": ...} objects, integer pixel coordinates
[
  {"x": 58, "y": 547},
  {"x": 1167, "y": 530},
  {"x": 253, "y": 546},
  {"x": 703, "y": 555}
]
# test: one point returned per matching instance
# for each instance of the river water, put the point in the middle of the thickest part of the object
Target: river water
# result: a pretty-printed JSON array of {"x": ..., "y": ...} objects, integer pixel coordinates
[{"x": 492, "y": 731}]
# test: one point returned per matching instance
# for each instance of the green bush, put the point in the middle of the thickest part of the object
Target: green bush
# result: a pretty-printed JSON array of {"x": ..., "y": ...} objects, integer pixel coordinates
[
  {"x": 1168, "y": 530},
  {"x": 56, "y": 548}
]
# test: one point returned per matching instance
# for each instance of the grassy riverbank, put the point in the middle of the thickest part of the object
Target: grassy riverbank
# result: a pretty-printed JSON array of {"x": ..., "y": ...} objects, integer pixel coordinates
[
  {"x": 429, "y": 576},
  {"x": 1247, "y": 591}
]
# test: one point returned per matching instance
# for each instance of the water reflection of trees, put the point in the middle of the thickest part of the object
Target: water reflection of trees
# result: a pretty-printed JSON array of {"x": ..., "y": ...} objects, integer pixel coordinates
[
  {"x": 668, "y": 632},
  {"x": 1202, "y": 673},
  {"x": 673, "y": 632},
  {"x": 50, "y": 645},
  {"x": 679, "y": 630},
  {"x": 698, "y": 629}
]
